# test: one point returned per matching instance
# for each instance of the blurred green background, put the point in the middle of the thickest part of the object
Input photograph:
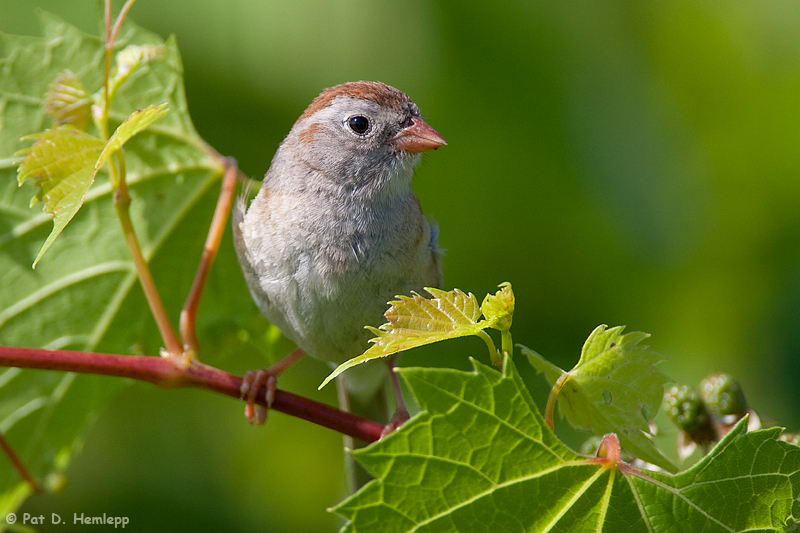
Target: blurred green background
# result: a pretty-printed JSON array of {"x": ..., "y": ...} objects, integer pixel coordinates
[{"x": 619, "y": 162}]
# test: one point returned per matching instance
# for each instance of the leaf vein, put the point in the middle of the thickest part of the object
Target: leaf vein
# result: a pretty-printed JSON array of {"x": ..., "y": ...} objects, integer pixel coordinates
[
  {"x": 61, "y": 284},
  {"x": 496, "y": 486},
  {"x": 504, "y": 422}
]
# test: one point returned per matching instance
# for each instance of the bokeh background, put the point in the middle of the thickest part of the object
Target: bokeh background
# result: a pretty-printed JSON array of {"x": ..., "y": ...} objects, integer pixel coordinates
[{"x": 618, "y": 162}]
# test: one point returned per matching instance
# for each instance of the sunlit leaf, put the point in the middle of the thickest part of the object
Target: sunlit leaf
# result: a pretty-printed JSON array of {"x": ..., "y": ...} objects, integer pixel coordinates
[
  {"x": 415, "y": 321},
  {"x": 61, "y": 161},
  {"x": 614, "y": 388},
  {"x": 498, "y": 308},
  {"x": 132, "y": 125},
  {"x": 64, "y": 162},
  {"x": 479, "y": 458}
]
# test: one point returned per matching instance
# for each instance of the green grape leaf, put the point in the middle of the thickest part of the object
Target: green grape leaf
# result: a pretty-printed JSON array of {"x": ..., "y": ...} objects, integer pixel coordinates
[
  {"x": 62, "y": 162},
  {"x": 415, "y": 321},
  {"x": 85, "y": 297},
  {"x": 479, "y": 458},
  {"x": 68, "y": 102},
  {"x": 614, "y": 388},
  {"x": 136, "y": 122},
  {"x": 543, "y": 366}
]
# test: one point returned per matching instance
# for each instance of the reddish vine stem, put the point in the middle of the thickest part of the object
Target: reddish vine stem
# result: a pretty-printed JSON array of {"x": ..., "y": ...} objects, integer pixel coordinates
[
  {"x": 18, "y": 465},
  {"x": 107, "y": 67},
  {"x": 223, "y": 209},
  {"x": 118, "y": 24},
  {"x": 169, "y": 374}
]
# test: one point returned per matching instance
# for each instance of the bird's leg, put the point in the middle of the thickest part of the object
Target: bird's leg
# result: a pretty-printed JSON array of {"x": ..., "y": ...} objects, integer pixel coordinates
[
  {"x": 268, "y": 378},
  {"x": 400, "y": 415}
]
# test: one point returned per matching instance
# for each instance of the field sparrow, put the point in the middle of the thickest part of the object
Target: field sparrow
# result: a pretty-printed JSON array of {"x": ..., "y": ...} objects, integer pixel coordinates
[{"x": 335, "y": 231}]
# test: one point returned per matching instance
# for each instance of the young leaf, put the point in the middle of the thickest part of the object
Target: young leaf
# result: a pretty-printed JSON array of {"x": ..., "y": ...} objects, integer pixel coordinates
[
  {"x": 62, "y": 162},
  {"x": 129, "y": 59},
  {"x": 498, "y": 308},
  {"x": 416, "y": 321},
  {"x": 479, "y": 458},
  {"x": 68, "y": 103},
  {"x": 614, "y": 387},
  {"x": 136, "y": 122}
]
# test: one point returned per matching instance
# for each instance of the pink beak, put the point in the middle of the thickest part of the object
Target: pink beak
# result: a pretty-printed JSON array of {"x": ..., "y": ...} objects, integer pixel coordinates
[{"x": 418, "y": 137}]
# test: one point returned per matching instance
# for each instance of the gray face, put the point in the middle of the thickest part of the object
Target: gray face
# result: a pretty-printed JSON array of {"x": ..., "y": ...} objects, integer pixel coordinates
[{"x": 347, "y": 144}]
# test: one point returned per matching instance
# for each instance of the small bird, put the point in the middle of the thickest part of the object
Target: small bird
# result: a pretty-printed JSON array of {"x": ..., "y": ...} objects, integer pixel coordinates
[{"x": 336, "y": 231}]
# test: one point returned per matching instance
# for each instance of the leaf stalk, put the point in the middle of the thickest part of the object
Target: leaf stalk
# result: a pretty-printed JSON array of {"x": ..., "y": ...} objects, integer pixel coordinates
[
  {"x": 494, "y": 356},
  {"x": 122, "y": 201},
  {"x": 507, "y": 343},
  {"x": 549, "y": 410},
  {"x": 188, "y": 317},
  {"x": 18, "y": 465}
]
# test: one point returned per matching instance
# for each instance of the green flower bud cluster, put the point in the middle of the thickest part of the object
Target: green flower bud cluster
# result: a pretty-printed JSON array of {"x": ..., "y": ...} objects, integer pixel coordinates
[
  {"x": 723, "y": 395},
  {"x": 686, "y": 408}
]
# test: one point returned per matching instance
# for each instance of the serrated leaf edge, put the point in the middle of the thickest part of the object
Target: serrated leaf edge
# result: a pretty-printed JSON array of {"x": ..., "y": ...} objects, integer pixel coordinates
[{"x": 472, "y": 325}]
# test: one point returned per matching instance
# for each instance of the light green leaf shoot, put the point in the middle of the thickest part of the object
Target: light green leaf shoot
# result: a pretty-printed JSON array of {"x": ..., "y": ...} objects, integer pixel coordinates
[
  {"x": 498, "y": 308},
  {"x": 68, "y": 102},
  {"x": 62, "y": 162},
  {"x": 130, "y": 59},
  {"x": 416, "y": 321},
  {"x": 614, "y": 388},
  {"x": 136, "y": 122}
]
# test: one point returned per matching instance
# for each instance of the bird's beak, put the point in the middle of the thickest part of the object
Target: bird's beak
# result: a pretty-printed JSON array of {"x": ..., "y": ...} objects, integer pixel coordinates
[{"x": 417, "y": 137}]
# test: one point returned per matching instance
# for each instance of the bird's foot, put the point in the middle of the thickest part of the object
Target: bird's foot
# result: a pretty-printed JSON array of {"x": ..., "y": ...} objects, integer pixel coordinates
[
  {"x": 251, "y": 384},
  {"x": 253, "y": 381},
  {"x": 399, "y": 418}
]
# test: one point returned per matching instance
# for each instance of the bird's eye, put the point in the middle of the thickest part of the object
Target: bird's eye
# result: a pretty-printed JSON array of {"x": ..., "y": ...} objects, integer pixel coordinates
[{"x": 358, "y": 124}]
